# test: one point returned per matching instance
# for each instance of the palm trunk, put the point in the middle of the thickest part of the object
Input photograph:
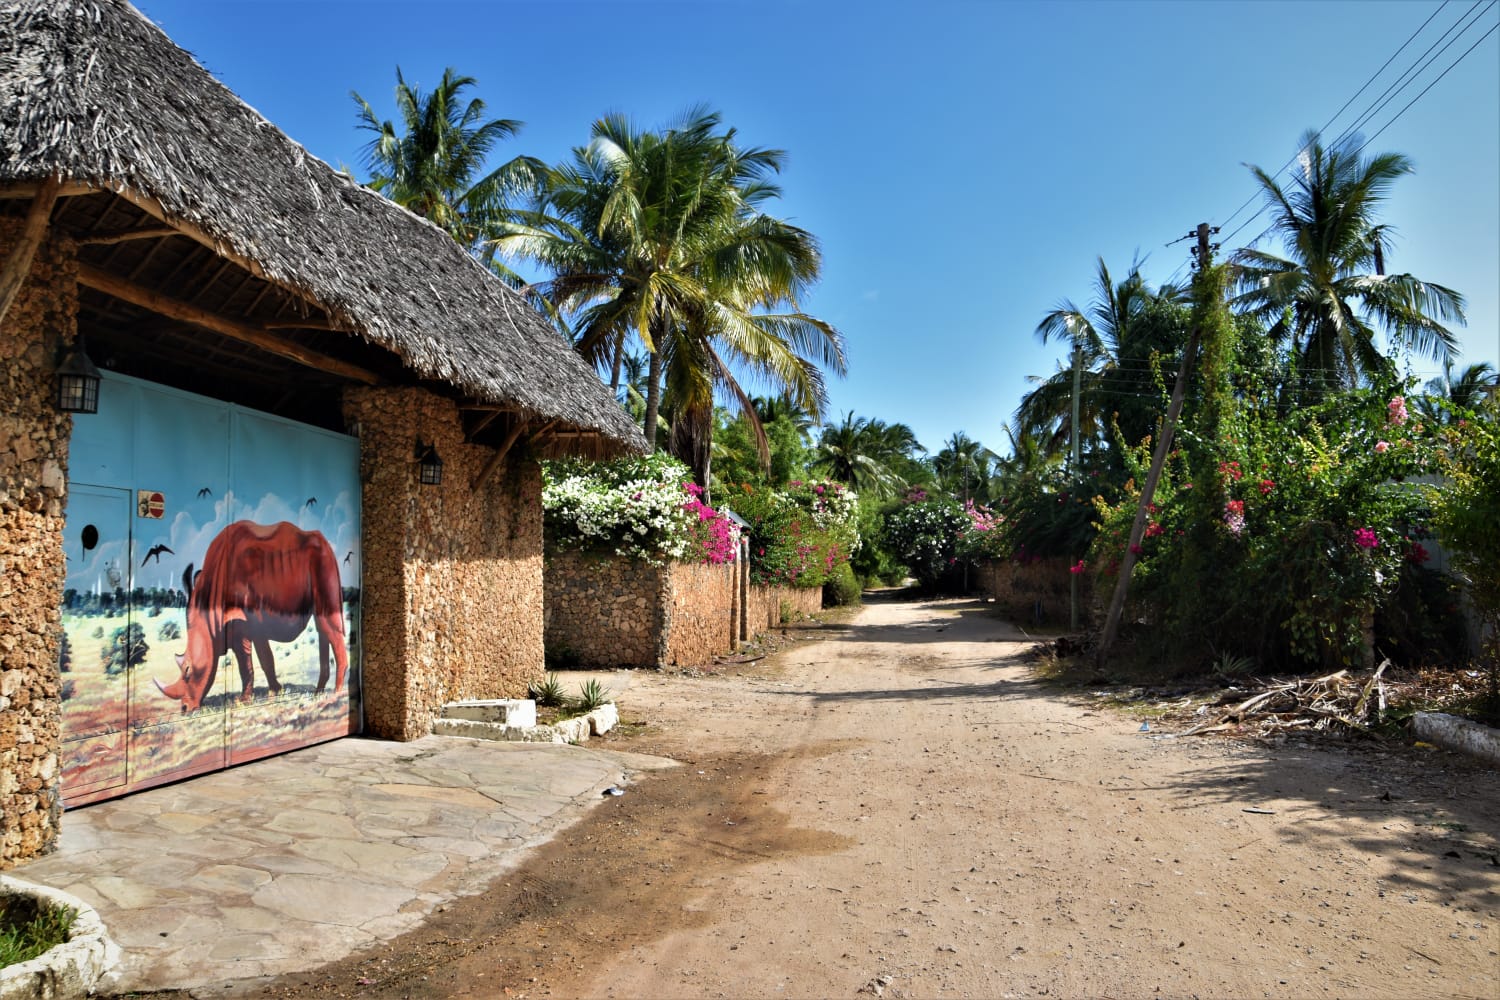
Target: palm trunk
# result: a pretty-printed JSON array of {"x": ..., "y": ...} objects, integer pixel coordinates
[
  {"x": 691, "y": 441},
  {"x": 708, "y": 468},
  {"x": 653, "y": 393},
  {"x": 614, "y": 371}
]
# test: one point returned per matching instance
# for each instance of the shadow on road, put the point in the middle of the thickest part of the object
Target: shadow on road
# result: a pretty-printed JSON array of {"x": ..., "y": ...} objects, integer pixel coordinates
[
  {"x": 1427, "y": 823},
  {"x": 1432, "y": 817}
]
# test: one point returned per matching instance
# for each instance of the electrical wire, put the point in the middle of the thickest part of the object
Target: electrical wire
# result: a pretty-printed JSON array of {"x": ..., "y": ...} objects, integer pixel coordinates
[
  {"x": 1406, "y": 79},
  {"x": 1445, "y": 72},
  {"x": 1409, "y": 77},
  {"x": 1351, "y": 100}
]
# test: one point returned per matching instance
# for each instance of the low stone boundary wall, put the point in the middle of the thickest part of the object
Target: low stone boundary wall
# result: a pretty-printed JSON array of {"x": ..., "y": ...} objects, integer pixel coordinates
[
  {"x": 703, "y": 612},
  {"x": 604, "y": 612},
  {"x": 768, "y": 606},
  {"x": 1036, "y": 592}
]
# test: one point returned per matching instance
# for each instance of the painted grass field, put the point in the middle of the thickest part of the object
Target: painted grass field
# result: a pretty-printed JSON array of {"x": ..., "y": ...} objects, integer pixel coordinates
[{"x": 120, "y": 733}]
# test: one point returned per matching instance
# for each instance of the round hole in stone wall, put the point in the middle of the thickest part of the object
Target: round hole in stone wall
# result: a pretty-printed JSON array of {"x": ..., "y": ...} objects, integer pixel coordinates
[{"x": 90, "y": 537}]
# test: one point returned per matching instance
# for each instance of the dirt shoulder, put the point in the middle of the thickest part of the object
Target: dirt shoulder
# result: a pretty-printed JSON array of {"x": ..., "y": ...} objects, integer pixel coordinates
[{"x": 903, "y": 811}]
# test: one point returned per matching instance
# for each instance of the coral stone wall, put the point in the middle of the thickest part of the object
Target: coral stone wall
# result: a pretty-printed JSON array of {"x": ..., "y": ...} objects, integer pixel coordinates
[
  {"x": 762, "y": 609},
  {"x": 604, "y": 612},
  {"x": 609, "y": 612},
  {"x": 765, "y": 604},
  {"x": 802, "y": 602},
  {"x": 33, "y": 492},
  {"x": 1034, "y": 592},
  {"x": 703, "y": 612},
  {"x": 452, "y": 587}
]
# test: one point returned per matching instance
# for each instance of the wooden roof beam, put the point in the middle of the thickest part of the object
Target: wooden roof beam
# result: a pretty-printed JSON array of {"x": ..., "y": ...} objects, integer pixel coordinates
[
  {"x": 67, "y": 189},
  {"x": 18, "y": 264},
  {"x": 481, "y": 424},
  {"x": 157, "y": 211},
  {"x": 102, "y": 281},
  {"x": 126, "y": 235},
  {"x": 499, "y": 455}
]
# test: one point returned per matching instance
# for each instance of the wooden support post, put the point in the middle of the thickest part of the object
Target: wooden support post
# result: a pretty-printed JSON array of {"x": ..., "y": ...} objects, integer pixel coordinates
[
  {"x": 18, "y": 264},
  {"x": 499, "y": 455},
  {"x": 100, "y": 280}
]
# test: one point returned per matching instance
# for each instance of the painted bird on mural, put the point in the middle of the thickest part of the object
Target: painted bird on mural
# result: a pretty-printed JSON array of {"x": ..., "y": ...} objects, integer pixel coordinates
[
  {"x": 205, "y": 492},
  {"x": 311, "y": 502},
  {"x": 155, "y": 553}
]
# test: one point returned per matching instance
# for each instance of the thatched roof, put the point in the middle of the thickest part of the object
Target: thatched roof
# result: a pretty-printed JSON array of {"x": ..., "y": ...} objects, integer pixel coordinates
[{"x": 93, "y": 92}]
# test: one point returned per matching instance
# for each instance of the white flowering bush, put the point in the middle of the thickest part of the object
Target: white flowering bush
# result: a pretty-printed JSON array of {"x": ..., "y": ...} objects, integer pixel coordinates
[
  {"x": 639, "y": 508},
  {"x": 834, "y": 506},
  {"x": 926, "y": 534}
]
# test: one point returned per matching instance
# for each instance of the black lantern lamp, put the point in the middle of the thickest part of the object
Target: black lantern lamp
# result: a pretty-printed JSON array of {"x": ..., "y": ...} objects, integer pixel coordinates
[
  {"x": 77, "y": 382},
  {"x": 429, "y": 466}
]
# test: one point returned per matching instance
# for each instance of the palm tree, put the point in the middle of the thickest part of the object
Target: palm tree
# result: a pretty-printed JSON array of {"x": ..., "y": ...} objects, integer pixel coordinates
[
  {"x": 1325, "y": 299},
  {"x": 769, "y": 409},
  {"x": 866, "y": 454},
  {"x": 434, "y": 162},
  {"x": 659, "y": 236},
  {"x": 1027, "y": 460},
  {"x": 1467, "y": 392},
  {"x": 630, "y": 378},
  {"x": 1114, "y": 339},
  {"x": 963, "y": 467}
]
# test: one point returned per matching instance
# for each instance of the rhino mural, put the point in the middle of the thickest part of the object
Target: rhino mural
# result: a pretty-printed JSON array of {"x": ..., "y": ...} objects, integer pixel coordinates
[{"x": 259, "y": 584}]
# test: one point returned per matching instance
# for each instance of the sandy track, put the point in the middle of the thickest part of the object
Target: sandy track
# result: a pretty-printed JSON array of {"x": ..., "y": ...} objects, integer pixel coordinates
[{"x": 901, "y": 810}]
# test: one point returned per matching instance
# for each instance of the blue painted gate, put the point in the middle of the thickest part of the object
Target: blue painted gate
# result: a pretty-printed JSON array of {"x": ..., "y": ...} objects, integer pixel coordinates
[{"x": 213, "y": 569}]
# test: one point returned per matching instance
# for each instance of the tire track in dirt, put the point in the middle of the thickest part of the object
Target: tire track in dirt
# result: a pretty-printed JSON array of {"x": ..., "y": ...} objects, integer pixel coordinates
[{"x": 903, "y": 810}]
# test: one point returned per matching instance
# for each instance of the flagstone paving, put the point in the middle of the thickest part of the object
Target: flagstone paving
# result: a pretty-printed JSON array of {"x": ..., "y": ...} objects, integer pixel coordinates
[{"x": 290, "y": 862}]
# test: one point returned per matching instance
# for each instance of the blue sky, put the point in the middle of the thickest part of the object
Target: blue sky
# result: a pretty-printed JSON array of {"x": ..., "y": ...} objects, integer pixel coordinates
[{"x": 963, "y": 164}]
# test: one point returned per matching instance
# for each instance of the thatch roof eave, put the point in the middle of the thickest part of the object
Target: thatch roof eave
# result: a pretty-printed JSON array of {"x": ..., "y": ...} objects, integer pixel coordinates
[{"x": 94, "y": 93}]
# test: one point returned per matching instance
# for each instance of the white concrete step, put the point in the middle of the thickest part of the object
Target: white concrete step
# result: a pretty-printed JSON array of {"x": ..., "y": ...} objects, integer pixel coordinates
[
  {"x": 505, "y": 711},
  {"x": 576, "y": 730}
]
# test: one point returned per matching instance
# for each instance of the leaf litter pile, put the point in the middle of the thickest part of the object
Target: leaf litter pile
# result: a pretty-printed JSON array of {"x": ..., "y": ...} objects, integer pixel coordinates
[
  {"x": 1345, "y": 702},
  {"x": 1322, "y": 703}
]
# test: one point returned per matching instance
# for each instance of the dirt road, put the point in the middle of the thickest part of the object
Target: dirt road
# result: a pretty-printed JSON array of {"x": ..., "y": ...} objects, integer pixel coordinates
[{"x": 902, "y": 811}]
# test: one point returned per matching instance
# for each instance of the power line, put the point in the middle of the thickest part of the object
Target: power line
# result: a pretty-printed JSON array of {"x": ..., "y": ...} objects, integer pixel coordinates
[
  {"x": 1407, "y": 78},
  {"x": 1351, "y": 100},
  {"x": 1445, "y": 72},
  {"x": 1374, "y": 108}
]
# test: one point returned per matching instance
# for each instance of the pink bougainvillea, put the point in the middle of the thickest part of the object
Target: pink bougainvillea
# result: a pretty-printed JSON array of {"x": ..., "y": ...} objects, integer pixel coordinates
[
  {"x": 1234, "y": 516},
  {"x": 717, "y": 539}
]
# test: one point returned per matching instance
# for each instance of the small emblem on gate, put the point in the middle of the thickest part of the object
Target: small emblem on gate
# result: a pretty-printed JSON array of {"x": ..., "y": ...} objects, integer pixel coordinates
[{"x": 150, "y": 503}]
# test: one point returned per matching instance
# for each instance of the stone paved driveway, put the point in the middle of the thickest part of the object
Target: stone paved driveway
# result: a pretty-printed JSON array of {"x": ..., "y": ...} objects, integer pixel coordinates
[{"x": 287, "y": 863}]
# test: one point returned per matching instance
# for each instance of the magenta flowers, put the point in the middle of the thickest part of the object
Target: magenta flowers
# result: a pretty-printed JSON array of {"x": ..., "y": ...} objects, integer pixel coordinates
[
  {"x": 1234, "y": 516},
  {"x": 1366, "y": 539}
]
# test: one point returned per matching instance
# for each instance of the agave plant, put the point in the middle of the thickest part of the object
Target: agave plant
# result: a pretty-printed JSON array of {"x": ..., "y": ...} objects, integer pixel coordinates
[
  {"x": 592, "y": 695},
  {"x": 547, "y": 692}
]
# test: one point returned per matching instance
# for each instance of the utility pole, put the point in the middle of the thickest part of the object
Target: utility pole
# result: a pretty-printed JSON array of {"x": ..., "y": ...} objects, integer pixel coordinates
[
  {"x": 1204, "y": 254},
  {"x": 1077, "y": 388}
]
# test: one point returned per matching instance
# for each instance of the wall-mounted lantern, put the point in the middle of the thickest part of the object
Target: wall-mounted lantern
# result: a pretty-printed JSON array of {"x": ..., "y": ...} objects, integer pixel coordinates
[
  {"x": 429, "y": 466},
  {"x": 77, "y": 382}
]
